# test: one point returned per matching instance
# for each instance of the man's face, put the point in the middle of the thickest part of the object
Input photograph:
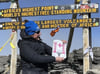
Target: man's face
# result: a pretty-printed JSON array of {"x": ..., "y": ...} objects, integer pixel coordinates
[{"x": 36, "y": 35}]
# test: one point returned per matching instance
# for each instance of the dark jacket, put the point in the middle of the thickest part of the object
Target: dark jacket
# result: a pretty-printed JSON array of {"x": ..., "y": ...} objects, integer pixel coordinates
[{"x": 35, "y": 55}]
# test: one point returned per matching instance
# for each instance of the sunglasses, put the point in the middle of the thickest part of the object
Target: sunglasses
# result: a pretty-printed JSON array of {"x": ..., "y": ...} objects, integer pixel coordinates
[{"x": 37, "y": 32}]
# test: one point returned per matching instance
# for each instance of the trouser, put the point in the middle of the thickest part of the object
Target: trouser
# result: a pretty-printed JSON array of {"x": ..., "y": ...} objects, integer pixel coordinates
[
  {"x": 27, "y": 68},
  {"x": 33, "y": 71}
]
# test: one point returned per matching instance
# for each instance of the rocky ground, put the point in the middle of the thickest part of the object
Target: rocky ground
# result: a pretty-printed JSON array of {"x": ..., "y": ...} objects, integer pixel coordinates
[{"x": 73, "y": 65}]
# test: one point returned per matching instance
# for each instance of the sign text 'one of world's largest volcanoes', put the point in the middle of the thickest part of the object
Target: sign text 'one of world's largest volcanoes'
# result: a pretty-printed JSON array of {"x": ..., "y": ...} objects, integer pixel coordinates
[{"x": 48, "y": 24}]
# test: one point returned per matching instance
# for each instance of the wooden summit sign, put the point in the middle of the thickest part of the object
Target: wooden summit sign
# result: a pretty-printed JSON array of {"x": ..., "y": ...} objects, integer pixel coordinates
[
  {"x": 48, "y": 24},
  {"x": 49, "y": 10}
]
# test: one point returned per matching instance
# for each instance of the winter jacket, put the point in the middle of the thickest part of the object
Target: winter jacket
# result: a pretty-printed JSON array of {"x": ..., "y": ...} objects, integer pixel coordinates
[{"x": 35, "y": 55}]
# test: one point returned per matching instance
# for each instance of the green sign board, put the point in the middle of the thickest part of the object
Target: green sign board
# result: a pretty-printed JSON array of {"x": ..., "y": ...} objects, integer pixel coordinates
[
  {"x": 49, "y": 10},
  {"x": 48, "y": 24}
]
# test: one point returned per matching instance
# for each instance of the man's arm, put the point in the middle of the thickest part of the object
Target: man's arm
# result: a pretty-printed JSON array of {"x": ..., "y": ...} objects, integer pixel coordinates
[{"x": 31, "y": 56}]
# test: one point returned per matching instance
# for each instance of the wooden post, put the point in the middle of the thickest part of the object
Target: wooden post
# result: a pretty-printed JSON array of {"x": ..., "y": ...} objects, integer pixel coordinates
[
  {"x": 4, "y": 0},
  {"x": 90, "y": 38},
  {"x": 86, "y": 60},
  {"x": 14, "y": 42},
  {"x": 71, "y": 31}
]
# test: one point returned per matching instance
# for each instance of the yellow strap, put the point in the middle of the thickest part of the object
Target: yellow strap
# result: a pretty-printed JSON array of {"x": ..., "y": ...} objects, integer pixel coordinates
[
  {"x": 4, "y": 44},
  {"x": 11, "y": 44},
  {"x": 11, "y": 37},
  {"x": 78, "y": 0},
  {"x": 1, "y": 49}
]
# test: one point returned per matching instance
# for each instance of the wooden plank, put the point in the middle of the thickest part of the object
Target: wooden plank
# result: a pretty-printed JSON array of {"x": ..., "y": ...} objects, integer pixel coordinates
[
  {"x": 5, "y": 0},
  {"x": 47, "y": 24},
  {"x": 14, "y": 42},
  {"x": 71, "y": 31},
  {"x": 86, "y": 63},
  {"x": 90, "y": 38},
  {"x": 48, "y": 10}
]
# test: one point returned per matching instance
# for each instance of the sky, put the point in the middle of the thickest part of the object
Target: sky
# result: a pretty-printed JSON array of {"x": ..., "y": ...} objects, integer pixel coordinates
[{"x": 63, "y": 34}]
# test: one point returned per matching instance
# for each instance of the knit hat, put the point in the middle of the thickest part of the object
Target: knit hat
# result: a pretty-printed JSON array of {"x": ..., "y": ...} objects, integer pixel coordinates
[{"x": 31, "y": 27}]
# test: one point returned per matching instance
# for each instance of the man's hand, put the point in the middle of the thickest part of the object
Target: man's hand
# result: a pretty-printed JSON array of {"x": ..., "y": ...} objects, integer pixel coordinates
[{"x": 59, "y": 59}]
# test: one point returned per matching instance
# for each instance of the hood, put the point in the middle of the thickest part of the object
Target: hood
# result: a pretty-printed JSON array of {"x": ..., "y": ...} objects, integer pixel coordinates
[{"x": 23, "y": 35}]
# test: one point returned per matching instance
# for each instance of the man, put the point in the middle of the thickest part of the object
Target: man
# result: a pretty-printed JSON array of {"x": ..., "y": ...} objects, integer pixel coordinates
[{"x": 35, "y": 55}]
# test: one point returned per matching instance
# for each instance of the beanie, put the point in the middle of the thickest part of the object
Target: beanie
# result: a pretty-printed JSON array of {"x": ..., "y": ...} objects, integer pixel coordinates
[{"x": 31, "y": 27}]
